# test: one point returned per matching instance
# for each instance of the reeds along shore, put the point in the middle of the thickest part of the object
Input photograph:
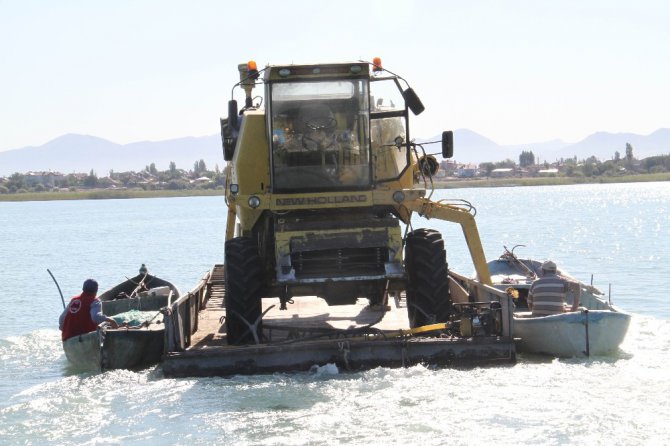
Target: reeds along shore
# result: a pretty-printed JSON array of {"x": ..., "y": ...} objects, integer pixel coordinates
[{"x": 102, "y": 194}]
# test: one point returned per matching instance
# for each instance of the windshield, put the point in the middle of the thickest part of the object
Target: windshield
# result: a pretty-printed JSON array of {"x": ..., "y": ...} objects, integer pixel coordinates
[{"x": 319, "y": 135}]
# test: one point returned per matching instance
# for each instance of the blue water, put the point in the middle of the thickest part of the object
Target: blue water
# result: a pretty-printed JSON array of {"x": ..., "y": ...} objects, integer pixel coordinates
[{"x": 618, "y": 233}]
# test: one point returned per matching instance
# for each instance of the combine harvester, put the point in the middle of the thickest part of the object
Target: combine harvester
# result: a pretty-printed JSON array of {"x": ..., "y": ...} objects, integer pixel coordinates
[{"x": 322, "y": 264}]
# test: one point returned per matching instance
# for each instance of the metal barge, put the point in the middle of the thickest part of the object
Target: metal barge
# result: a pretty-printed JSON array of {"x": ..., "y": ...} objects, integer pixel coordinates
[
  {"x": 322, "y": 180},
  {"x": 353, "y": 337}
]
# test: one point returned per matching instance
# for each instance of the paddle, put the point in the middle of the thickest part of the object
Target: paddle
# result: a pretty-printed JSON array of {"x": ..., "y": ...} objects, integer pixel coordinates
[{"x": 58, "y": 286}]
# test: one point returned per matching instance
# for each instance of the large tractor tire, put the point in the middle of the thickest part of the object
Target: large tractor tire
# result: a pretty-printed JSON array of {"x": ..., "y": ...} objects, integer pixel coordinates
[
  {"x": 428, "y": 297},
  {"x": 243, "y": 290}
]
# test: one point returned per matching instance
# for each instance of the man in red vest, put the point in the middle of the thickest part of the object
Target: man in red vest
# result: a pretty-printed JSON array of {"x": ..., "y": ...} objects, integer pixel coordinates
[{"x": 83, "y": 313}]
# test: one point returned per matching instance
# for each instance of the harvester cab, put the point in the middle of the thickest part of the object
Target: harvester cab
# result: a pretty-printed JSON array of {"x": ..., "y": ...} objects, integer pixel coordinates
[{"x": 321, "y": 183}]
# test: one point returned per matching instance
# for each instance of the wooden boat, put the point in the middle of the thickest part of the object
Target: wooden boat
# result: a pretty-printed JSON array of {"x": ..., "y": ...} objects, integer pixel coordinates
[
  {"x": 596, "y": 328},
  {"x": 135, "y": 303}
]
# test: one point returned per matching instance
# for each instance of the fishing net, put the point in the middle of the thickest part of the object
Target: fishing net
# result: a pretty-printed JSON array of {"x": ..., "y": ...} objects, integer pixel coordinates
[{"x": 135, "y": 318}]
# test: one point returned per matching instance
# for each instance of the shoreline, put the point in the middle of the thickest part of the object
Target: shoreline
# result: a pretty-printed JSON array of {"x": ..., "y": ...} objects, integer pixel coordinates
[
  {"x": 550, "y": 181},
  {"x": 107, "y": 194}
]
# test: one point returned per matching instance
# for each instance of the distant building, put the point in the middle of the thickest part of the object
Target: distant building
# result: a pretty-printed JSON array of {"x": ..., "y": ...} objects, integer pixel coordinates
[
  {"x": 467, "y": 171},
  {"x": 548, "y": 172},
  {"x": 449, "y": 167},
  {"x": 502, "y": 172},
  {"x": 48, "y": 179}
]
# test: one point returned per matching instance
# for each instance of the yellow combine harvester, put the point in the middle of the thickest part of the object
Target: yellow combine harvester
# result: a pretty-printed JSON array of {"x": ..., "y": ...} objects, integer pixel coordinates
[{"x": 322, "y": 181}]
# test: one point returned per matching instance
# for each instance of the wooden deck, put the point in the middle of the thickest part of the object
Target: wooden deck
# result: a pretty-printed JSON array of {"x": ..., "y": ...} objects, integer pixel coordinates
[{"x": 306, "y": 314}]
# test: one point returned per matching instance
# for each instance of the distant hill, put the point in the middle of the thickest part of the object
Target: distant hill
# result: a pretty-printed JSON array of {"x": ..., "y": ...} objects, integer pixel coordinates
[
  {"x": 602, "y": 145},
  {"x": 471, "y": 147},
  {"x": 81, "y": 153}
]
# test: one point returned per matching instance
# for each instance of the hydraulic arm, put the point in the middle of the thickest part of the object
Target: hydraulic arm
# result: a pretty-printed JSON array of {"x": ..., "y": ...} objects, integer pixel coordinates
[{"x": 430, "y": 209}]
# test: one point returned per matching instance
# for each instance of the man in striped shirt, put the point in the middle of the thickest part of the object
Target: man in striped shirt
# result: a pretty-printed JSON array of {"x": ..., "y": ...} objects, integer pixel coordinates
[{"x": 547, "y": 294}]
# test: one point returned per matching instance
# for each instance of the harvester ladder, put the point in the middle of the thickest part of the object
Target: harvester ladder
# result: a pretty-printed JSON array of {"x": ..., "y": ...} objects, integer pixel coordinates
[{"x": 217, "y": 287}]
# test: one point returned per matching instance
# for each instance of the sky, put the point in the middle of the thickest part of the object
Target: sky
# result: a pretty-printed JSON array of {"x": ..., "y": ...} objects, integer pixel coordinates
[{"x": 514, "y": 71}]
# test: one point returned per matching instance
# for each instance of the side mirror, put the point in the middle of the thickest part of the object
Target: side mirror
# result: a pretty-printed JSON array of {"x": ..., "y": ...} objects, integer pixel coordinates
[
  {"x": 232, "y": 113},
  {"x": 447, "y": 144},
  {"x": 228, "y": 140},
  {"x": 413, "y": 102},
  {"x": 228, "y": 130}
]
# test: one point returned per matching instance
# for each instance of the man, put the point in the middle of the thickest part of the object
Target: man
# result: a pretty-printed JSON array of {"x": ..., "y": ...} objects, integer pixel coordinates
[
  {"x": 547, "y": 294},
  {"x": 83, "y": 313}
]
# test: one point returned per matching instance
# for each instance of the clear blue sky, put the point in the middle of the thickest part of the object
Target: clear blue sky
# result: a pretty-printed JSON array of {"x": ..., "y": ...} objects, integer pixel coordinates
[{"x": 514, "y": 71}]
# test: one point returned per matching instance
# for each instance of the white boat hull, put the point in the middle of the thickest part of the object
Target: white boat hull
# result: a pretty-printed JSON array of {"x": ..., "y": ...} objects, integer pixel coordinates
[{"x": 575, "y": 334}]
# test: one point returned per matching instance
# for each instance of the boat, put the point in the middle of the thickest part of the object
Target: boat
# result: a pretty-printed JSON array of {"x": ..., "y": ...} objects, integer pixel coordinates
[
  {"x": 596, "y": 328},
  {"x": 135, "y": 305}
]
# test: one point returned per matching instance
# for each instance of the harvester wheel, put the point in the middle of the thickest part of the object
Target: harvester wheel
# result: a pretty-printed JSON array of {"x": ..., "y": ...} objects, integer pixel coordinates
[
  {"x": 243, "y": 290},
  {"x": 428, "y": 297}
]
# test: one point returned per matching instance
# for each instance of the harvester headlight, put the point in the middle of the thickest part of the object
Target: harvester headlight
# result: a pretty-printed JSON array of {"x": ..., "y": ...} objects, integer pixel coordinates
[
  {"x": 398, "y": 196},
  {"x": 284, "y": 72},
  {"x": 254, "y": 202},
  {"x": 234, "y": 188}
]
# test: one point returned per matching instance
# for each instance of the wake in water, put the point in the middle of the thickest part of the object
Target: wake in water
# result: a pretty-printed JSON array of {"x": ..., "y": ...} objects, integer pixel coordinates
[{"x": 560, "y": 401}]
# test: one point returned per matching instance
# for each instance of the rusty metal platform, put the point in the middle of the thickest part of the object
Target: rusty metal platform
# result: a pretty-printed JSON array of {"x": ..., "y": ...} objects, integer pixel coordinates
[
  {"x": 311, "y": 333},
  {"x": 347, "y": 354}
]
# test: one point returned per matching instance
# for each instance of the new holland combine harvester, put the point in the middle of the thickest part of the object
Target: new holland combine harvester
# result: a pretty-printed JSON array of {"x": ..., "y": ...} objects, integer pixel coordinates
[{"x": 322, "y": 181}]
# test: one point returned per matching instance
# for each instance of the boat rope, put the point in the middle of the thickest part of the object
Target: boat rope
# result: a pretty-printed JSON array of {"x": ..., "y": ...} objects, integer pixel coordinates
[
  {"x": 512, "y": 258},
  {"x": 147, "y": 323},
  {"x": 253, "y": 327},
  {"x": 102, "y": 332},
  {"x": 139, "y": 286},
  {"x": 344, "y": 349},
  {"x": 586, "y": 324},
  {"x": 403, "y": 352}
]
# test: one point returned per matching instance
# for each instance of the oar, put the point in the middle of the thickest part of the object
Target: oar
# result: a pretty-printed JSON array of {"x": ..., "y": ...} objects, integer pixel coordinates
[{"x": 58, "y": 286}]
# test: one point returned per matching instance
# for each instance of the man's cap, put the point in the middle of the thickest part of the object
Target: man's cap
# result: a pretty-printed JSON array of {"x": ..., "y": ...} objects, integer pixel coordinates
[
  {"x": 90, "y": 286},
  {"x": 549, "y": 266}
]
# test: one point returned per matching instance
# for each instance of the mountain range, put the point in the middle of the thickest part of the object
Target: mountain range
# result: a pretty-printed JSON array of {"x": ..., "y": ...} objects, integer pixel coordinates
[{"x": 82, "y": 153}]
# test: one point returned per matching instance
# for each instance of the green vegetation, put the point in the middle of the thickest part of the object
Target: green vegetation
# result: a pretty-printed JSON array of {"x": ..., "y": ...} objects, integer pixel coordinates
[
  {"x": 104, "y": 194},
  {"x": 146, "y": 183},
  {"x": 549, "y": 181},
  {"x": 199, "y": 181},
  {"x": 563, "y": 171}
]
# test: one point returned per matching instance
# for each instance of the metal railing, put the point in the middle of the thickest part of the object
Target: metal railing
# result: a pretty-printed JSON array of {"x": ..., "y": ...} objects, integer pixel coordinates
[{"x": 181, "y": 317}]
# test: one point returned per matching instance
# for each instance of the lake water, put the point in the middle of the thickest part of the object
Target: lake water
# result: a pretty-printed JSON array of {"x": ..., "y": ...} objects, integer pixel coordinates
[{"x": 619, "y": 233}]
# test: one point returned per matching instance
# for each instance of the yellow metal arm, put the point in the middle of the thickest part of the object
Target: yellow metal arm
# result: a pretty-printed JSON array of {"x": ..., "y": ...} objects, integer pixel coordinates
[
  {"x": 230, "y": 222},
  {"x": 232, "y": 214},
  {"x": 430, "y": 209}
]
